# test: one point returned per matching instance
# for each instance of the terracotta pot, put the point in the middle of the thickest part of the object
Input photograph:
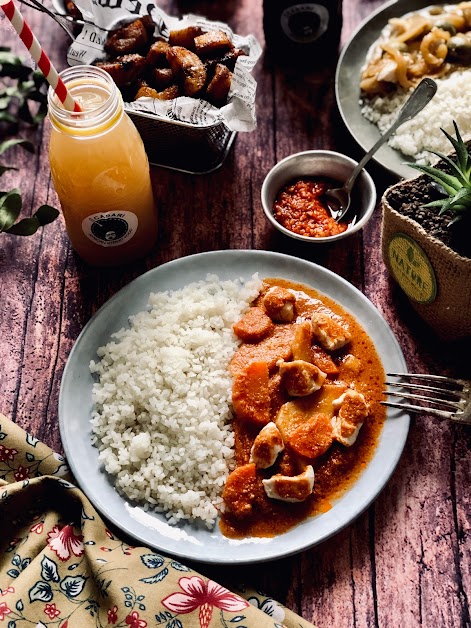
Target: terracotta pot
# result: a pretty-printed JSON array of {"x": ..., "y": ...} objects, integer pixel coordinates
[{"x": 436, "y": 280}]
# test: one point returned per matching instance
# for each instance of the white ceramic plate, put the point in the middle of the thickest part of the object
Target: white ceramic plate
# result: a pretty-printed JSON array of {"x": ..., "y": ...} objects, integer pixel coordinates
[
  {"x": 189, "y": 541},
  {"x": 347, "y": 83}
]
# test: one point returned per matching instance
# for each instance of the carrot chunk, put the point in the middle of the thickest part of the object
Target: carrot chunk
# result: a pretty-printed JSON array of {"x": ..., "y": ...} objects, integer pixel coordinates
[
  {"x": 250, "y": 395},
  {"x": 254, "y": 326},
  {"x": 240, "y": 490},
  {"x": 323, "y": 361},
  {"x": 313, "y": 438}
]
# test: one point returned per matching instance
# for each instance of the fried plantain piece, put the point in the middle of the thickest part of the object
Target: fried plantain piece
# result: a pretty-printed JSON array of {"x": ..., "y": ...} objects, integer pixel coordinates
[
  {"x": 218, "y": 87},
  {"x": 146, "y": 91},
  {"x": 171, "y": 92},
  {"x": 188, "y": 68},
  {"x": 125, "y": 69},
  {"x": 185, "y": 37},
  {"x": 212, "y": 43},
  {"x": 148, "y": 23},
  {"x": 157, "y": 55},
  {"x": 131, "y": 38},
  {"x": 162, "y": 77},
  {"x": 228, "y": 59}
]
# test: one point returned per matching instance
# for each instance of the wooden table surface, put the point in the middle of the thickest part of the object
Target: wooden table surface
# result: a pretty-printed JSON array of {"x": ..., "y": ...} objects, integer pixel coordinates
[{"x": 404, "y": 562}]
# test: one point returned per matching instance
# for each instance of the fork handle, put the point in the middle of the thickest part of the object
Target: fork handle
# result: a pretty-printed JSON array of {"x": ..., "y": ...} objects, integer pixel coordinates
[{"x": 422, "y": 95}]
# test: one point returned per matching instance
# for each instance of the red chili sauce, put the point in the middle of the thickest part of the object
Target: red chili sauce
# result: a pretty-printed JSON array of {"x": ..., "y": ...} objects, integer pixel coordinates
[{"x": 300, "y": 207}]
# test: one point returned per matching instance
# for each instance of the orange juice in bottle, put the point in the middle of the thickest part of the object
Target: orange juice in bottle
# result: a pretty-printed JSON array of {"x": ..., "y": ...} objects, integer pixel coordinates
[{"x": 100, "y": 171}]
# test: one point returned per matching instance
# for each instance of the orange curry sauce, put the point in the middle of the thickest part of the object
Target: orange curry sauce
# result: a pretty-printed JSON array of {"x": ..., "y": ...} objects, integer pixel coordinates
[
  {"x": 300, "y": 207},
  {"x": 340, "y": 466}
]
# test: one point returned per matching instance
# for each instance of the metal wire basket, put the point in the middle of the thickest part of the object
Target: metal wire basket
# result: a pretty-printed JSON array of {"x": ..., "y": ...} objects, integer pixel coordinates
[{"x": 182, "y": 146}]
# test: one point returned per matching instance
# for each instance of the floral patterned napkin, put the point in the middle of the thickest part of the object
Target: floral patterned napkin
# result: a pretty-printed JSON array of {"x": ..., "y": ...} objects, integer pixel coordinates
[{"x": 61, "y": 566}]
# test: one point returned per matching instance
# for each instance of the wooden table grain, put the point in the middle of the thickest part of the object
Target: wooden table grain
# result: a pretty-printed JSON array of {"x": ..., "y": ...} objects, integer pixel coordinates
[{"x": 406, "y": 560}]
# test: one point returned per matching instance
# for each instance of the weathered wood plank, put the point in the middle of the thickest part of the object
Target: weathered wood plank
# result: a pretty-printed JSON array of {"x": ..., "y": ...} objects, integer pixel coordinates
[{"x": 407, "y": 560}]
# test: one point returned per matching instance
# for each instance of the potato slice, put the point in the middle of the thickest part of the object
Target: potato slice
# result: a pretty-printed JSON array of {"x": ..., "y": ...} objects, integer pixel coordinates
[
  {"x": 301, "y": 344},
  {"x": 188, "y": 68},
  {"x": 294, "y": 414}
]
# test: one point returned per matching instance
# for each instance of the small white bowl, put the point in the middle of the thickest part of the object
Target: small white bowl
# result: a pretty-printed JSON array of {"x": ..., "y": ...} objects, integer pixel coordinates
[{"x": 320, "y": 163}]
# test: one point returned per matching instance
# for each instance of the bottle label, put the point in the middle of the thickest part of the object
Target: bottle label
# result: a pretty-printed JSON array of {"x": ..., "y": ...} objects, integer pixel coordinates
[
  {"x": 412, "y": 268},
  {"x": 110, "y": 228},
  {"x": 304, "y": 23}
]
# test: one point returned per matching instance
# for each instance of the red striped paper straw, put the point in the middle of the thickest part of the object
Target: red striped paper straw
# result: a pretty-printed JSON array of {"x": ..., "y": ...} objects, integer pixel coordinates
[{"x": 38, "y": 54}]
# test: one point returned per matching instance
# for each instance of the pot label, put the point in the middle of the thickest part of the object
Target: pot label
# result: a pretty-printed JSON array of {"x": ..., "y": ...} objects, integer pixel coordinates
[{"x": 412, "y": 268}]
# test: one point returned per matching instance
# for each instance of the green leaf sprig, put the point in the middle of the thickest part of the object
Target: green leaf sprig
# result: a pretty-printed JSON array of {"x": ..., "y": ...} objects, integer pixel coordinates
[
  {"x": 456, "y": 185},
  {"x": 25, "y": 87}
]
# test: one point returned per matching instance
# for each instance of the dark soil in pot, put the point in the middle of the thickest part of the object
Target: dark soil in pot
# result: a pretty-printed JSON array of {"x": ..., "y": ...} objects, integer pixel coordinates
[{"x": 409, "y": 199}]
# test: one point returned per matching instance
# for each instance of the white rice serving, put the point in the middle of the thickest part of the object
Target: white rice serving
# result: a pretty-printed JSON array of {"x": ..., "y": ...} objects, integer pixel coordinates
[
  {"x": 451, "y": 102},
  {"x": 163, "y": 399}
]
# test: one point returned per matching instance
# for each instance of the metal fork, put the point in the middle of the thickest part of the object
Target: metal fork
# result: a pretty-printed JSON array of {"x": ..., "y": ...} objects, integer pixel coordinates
[{"x": 449, "y": 398}]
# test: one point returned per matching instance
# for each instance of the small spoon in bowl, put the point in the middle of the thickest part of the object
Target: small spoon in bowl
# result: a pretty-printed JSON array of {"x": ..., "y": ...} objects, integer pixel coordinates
[{"x": 338, "y": 199}]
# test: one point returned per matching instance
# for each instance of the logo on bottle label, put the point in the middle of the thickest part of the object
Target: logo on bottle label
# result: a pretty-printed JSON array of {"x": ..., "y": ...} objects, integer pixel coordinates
[
  {"x": 304, "y": 23},
  {"x": 110, "y": 228},
  {"x": 412, "y": 269}
]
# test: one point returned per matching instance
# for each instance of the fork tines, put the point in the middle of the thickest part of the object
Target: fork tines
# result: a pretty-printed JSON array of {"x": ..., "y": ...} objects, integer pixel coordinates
[{"x": 446, "y": 397}]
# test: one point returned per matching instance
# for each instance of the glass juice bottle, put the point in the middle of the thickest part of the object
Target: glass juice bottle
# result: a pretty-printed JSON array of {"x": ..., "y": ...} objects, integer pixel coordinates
[{"x": 100, "y": 171}]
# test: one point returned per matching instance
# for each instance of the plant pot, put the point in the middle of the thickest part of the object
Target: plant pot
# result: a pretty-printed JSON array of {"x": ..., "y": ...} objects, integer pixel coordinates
[{"x": 435, "y": 278}]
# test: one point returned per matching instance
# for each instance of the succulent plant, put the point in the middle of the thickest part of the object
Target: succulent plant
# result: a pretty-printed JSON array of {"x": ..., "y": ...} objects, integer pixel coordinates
[{"x": 455, "y": 185}]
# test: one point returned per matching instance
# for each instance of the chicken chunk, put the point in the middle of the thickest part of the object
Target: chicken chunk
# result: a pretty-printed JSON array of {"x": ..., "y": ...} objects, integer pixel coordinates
[
  {"x": 267, "y": 445},
  {"x": 253, "y": 326},
  {"x": 300, "y": 378},
  {"x": 279, "y": 304},
  {"x": 250, "y": 396},
  {"x": 240, "y": 490},
  {"x": 313, "y": 438},
  {"x": 330, "y": 334},
  {"x": 351, "y": 411},
  {"x": 290, "y": 488},
  {"x": 188, "y": 68}
]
